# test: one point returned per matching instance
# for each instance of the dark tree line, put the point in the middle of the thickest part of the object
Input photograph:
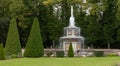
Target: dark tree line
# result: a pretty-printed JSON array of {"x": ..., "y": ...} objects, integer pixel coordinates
[{"x": 99, "y": 20}]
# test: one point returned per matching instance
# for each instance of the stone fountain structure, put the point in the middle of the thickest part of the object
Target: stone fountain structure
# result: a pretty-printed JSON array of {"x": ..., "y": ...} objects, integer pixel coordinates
[{"x": 72, "y": 35}]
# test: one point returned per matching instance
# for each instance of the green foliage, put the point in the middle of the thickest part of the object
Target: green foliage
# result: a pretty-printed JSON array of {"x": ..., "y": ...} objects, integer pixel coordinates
[
  {"x": 94, "y": 31},
  {"x": 4, "y": 25},
  {"x": 34, "y": 47},
  {"x": 102, "y": 31},
  {"x": 94, "y": 1},
  {"x": 118, "y": 21},
  {"x": 99, "y": 53},
  {"x": 59, "y": 53},
  {"x": 118, "y": 10},
  {"x": 116, "y": 65},
  {"x": 12, "y": 43},
  {"x": 2, "y": 54},
  {"x": 51, "y": 27},
  {"x": 13, "y": 56},
  {"x": 4, "y": 19},
  {"x": 4, "y": 8},
  {"x": 17, "y": 8},
  {"x": 70, "y": 51},
  {"x": 49, "y": 53},
  {"x": 81, "y": 21},
  {"x": 109, "y": 18},
  {"x": 111, "y": 55}
]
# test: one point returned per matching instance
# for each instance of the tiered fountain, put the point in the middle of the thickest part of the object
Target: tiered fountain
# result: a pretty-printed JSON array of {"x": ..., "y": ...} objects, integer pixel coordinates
[{"x": 72, "y": 35}]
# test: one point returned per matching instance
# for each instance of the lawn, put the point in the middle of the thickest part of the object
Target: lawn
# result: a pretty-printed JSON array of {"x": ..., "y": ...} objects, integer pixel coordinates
[{"x": 87, "y": 61}]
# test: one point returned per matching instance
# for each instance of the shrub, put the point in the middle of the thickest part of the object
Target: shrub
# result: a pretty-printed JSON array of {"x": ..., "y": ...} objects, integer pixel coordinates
[
  {"x": 34, "y": 47},
  {"x": 13, "y": 56},
  {"x": 116, "y": 65},
  {"x": 59, "y": 53},
  {"x": 98, "y": 53},
  {"x": 12, "y": 43},
  {"x": 70, "y": 51},
  {"x": 111, "y": 55},
  {"x": 2, "y": 54},
  {"x": 49, "y": 53},
  {"x": 19, "y": 55}
]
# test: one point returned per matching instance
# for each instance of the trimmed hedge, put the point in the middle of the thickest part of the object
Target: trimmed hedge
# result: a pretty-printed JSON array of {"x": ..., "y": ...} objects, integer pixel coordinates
[
  {"x": 116, "y": 65},
  {"x": 59, "y": 53},
  {"x": 111, "y": 55},
  {"x": 34, "y": 47},
  {"x": 49, "y": 53},
  {"x": 13, "y": 56},
  {"x": 70, "y": 51},
  {"x": 99, "y": 53},
  {"x": 13, "y": 42},
  {"x": 2, "y": 54}
]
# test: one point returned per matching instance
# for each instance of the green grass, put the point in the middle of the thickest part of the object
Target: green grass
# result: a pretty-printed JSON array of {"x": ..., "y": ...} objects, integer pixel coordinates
[{"x": 87, "y": 61}]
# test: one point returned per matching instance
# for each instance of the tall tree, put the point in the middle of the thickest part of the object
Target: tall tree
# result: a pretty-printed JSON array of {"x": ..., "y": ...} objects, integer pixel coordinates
[
  {"x": 4, "y": 19},
  {"x": 4, "y": 8},
  {"x": 25, "y": 10},
  {"x": 109, "y": 16},
  {"x": 118, "y": 22},
  {"x": 117, "y": 27},
  {"x": 90, "y": 23},
  {"x": 20, "y": 11},
  {"x": 4, "y": 25},
  {"x": 93, "y": 31},
  {"x": 53, "y": 26}
]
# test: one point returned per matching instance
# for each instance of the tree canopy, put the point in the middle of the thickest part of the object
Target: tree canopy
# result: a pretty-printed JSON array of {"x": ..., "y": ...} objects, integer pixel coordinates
[{"x": 99, "y": 20}]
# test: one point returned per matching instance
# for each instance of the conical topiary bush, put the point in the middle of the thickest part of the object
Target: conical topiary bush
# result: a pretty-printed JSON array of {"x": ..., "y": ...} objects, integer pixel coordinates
[
  {"x": 70, "y": 51},
  {"x": 13, "y": 46},
  {"x": 2, "y": 54},
  {"x": 34, "y": 47}
]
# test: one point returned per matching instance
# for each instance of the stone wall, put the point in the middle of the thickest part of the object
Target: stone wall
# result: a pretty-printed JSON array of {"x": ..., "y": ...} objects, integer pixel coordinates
[{"x": 82, "y": 52}]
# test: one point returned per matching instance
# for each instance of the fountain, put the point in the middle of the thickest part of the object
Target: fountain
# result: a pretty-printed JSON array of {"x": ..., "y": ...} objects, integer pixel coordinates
[{"x": 72, "y": 35}]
